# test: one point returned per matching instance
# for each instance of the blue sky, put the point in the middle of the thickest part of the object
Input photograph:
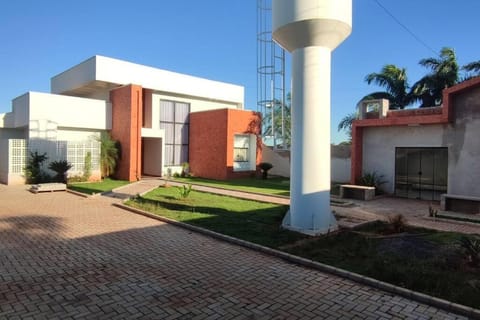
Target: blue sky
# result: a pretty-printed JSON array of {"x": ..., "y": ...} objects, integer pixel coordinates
[{"x": 216, "y": 39}]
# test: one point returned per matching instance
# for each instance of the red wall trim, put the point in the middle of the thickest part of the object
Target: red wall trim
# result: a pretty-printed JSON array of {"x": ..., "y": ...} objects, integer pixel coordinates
[{"x": 426, "y": 116}]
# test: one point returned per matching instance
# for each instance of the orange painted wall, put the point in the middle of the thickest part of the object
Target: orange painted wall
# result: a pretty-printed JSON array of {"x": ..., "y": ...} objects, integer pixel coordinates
[
  {"x": 127, "y": 107},
  {"x": 208, "y": 144},
  {"x": 211, "y": 141}
]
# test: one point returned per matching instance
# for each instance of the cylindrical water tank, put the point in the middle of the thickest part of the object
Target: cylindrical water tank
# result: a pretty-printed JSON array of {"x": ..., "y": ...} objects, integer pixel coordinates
[{"x": 306, "y": 23}]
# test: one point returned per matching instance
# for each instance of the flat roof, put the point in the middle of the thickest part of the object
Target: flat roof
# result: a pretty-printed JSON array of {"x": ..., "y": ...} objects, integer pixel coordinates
[{"x": 99, "y": 73}]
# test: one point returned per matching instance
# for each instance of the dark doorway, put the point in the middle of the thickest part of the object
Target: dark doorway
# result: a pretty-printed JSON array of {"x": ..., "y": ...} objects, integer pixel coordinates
[{"x": 421, "y": 173}]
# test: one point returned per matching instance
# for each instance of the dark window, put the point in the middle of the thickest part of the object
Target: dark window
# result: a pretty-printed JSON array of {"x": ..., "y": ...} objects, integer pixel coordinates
[{"x": 174, "y": 119}]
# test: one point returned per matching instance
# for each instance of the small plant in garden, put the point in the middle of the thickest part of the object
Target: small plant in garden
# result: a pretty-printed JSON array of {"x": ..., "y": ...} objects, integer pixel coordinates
[
  {"x": 168, "y": 177},
  {"x": 184, "y": 191},
  {"x": 60, "y": 167},
  {"x": 432, "y": 212},
  {"x": 397, "y": 223},
  {"x": 373, "y": 179},
  {"x": 265, "y": 167},
  {"x": 87, "y": 166},
  {"x": 185, "y": 170},
  {"x": 109, "y": 154},
  {"x": 33, "y": 169},
  {"x": 471, "y": 248}
]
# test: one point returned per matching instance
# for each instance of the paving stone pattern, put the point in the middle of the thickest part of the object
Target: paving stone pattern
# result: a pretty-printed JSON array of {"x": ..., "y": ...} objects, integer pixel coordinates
[{"x": 68, "y": 257}]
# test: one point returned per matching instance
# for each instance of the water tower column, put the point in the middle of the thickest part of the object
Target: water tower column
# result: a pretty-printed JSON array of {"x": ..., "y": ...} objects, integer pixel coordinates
[{"x": 310, "y": 30}]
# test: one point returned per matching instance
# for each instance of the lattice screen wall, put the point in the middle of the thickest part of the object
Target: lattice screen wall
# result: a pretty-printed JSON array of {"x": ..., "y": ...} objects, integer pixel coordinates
[{"x": 73, "y": 152}]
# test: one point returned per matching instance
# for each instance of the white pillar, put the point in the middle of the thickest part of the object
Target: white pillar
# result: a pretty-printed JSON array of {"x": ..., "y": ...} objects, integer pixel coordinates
[
  {"x": 310, "y": 30},
  {"x": 310, "y": 153}
]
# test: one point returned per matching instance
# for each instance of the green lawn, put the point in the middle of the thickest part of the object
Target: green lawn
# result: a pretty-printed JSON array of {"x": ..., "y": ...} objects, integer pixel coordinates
[
  {"x": 250, "y": 220},
  {"x": 273, "y": 186},
  {"x": 97, "y": 187},
  {"x": 277, "y": 186},
  {"x": 423, "y": 260}
]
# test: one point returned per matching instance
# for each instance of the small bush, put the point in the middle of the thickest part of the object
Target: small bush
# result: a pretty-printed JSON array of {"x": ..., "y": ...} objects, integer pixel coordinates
[
  {"x": 432, "y": 212},
  {"x": 471, "y": 248},
  {"x": 185, "y": 170},
  {"x": 184, "y": 191},
  {"x": 397, "y": 223},
  {"x": 373, "y": 179},
  {"x": 87, "y": 167},
  {"x": 265, "y": 167},
  {"x": 33, "y": 169},
  {"x": 60, "y": 167}
]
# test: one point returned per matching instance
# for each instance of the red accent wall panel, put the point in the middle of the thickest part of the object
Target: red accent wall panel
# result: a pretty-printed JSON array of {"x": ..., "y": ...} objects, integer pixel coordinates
[
  {"x": 211, "y": 141},
  {"x": 127, "y": 107}
]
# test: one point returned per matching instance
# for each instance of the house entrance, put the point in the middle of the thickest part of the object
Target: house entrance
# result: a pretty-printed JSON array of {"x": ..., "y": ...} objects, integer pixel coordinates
[{"x": 421, "y": 173}]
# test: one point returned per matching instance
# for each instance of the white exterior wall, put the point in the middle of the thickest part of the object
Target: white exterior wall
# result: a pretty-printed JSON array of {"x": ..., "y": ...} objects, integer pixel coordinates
[
  {"x": 379, "y": 145},
  {"x": 20, "y": 111},
  {"x": 74, "y": 77},
  {"x": 340, "y": 169},
  {"x": 77, "y": 135},
  {"x": 120, "y": 72},
  {"x": 71, "y": 112}
]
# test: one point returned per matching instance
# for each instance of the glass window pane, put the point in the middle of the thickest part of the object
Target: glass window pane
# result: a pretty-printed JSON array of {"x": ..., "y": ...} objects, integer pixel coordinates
[
  {"x": 182, "y": 111},
  {"x": 169, "y": 155},
  {"x": 177, "y": 154},
  {"x": 184, "y": 134},
  {"x": 178, "y": 133},
  {"x": 241, "y": 141},
  {"x": 240, "y": 155},
  {"x": 169, "y": 133},
  {"x": 183, "y": 154},
  {"x": 166, "y": 110}
]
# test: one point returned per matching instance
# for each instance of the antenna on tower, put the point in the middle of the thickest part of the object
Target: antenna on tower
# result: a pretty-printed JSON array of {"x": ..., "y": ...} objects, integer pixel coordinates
[{"x": 271, "y": 97}]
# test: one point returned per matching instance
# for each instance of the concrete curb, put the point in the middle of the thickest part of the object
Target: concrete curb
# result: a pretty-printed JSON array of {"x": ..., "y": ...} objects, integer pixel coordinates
[{"x": 413, "y": 295}]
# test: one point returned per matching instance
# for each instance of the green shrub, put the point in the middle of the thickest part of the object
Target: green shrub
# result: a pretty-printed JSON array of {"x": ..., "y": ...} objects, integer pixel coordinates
[
  {"x": 265, "y": 166},
  {"x": 87, "y": 166},
  {"x": 33, "y": 170},
  {"x": 373, "y": 179},
  {"x": 471, "y": 248},
  {"x": 60, "y": 167},
  {"x": 185, "y": 170},
  {"x": 397, "y": 223},
  {"x": 184, "y": 191}
]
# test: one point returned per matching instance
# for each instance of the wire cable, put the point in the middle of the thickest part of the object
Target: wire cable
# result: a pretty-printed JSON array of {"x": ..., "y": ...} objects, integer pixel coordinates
[{"x": 388, "y": 12}]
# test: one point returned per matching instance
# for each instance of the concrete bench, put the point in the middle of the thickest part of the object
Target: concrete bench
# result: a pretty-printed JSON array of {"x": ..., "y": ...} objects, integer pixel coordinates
[
  {"x": 458, "y": 203},
  {"x": 48, "y": 187},
  {"x": 357, "y": 192}
]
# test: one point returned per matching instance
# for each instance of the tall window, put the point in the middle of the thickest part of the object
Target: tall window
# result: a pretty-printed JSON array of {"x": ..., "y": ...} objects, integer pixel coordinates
[{"x": 174, "y": 119}]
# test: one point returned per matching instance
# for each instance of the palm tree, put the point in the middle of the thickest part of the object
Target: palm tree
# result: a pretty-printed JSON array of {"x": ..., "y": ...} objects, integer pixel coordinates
[
  {"x": 395, "y": 81},
  {"x": 346, "y": 124},
  {"x": 278, "y": 117},
  {"x": 444, "y": 73},
  {"x": 108, "y": 154},
  {"x": 472, "y": 67}
]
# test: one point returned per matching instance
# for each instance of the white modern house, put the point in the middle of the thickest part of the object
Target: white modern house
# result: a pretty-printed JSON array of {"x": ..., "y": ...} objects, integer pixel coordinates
[{"x": 146, "y": 109}]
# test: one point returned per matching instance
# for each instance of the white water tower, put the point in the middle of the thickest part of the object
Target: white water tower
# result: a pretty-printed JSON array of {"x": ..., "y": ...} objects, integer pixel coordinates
[{"x": 310, "y": 30}]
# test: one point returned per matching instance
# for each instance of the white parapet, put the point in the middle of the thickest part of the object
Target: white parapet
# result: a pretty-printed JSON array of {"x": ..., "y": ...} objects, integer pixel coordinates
[{"x": 310, "y": 30}]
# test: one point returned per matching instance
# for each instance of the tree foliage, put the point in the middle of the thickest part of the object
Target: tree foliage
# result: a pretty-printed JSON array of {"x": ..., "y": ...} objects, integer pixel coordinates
[
  {"x": 279, "y": 116},
  {"x": 444, "y": 73},
  {"x": 395, "y": 82},
  {"x": 108, "y": 154}
]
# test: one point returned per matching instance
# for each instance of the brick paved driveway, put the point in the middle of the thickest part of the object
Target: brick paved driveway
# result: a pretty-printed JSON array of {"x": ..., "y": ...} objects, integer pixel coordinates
[{"x": 66, "y": 257}]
